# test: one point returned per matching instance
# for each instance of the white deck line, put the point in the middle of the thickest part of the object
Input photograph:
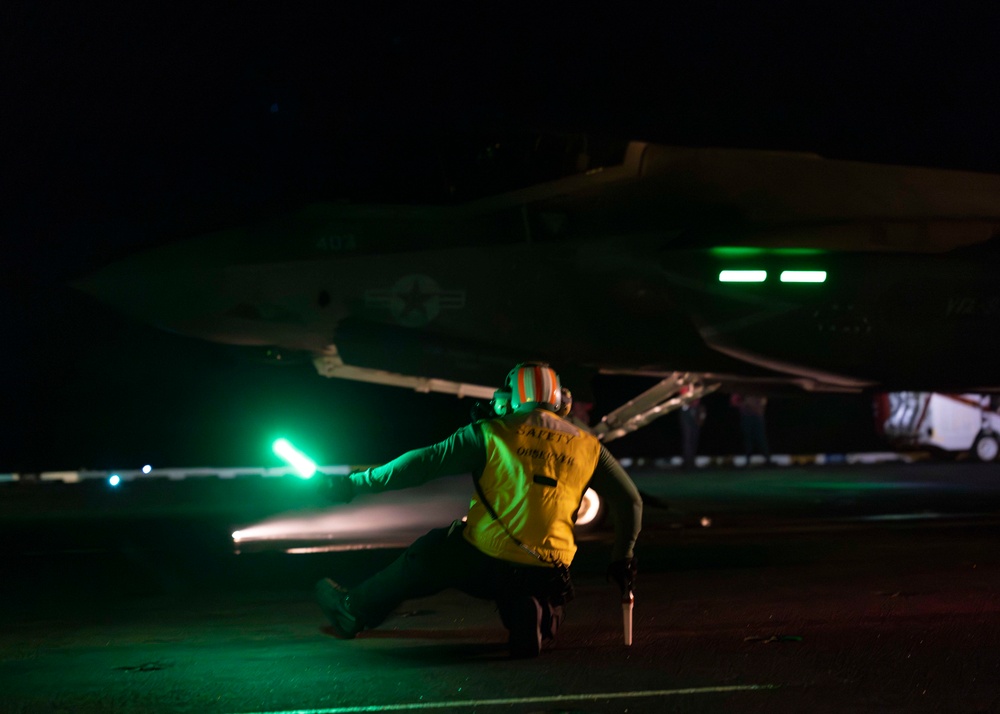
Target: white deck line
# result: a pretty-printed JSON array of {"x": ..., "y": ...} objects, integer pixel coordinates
[{"x": 470, "y": 703}]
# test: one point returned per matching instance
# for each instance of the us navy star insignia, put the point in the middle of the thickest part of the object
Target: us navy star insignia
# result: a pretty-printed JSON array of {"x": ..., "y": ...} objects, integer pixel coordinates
[{"x": 414, "y": 300}]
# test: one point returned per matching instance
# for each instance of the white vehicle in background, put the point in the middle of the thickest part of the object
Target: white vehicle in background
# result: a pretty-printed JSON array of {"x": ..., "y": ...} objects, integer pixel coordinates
[{"x": 948, "y": 422}]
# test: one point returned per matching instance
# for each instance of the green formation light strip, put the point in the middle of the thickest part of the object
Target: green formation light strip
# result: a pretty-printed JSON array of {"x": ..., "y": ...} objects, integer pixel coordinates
[
  {"x": 803, "y": 276},
  {"x": 759, "y": 276},
  {"x": 742, "y": 276}
]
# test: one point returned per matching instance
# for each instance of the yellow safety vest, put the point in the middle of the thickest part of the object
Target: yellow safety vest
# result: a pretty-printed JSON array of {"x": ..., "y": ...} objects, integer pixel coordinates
[{"x": 537, "y": 470}]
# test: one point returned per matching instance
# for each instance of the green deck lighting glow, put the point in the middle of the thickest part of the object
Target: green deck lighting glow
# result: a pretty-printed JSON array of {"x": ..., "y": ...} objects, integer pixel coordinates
[
  {"x": 302, "y": 464},
  {"x": 744, "y": 251},
  {"x": 742, "y": 276},
  {"x": 799, "y": 251},
  {"x": 735, "y": 251},
  {"x": 115, "y": 479},
  {"x": 803, "y": 276}
]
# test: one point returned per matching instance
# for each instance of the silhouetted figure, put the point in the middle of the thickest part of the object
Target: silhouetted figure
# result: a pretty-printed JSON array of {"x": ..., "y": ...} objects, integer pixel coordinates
[
  {"x": 692, "y": 416},
  {"x": 752, "y": 408}
]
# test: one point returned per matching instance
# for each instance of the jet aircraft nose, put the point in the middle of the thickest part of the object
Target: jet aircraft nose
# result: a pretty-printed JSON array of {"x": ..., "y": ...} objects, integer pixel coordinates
[
  {"x": 217, "y": 288},
  {"x": 166, "y": 286}
]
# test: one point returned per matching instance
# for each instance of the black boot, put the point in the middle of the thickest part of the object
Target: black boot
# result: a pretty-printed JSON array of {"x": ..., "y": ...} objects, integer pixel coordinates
[
  {"x": 523, "y": 618},
  {"x": 336, "y": 605}
]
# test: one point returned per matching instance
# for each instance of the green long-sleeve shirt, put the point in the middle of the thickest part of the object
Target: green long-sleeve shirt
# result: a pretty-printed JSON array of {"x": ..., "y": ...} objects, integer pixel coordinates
[{"x": 465, "y": 452}]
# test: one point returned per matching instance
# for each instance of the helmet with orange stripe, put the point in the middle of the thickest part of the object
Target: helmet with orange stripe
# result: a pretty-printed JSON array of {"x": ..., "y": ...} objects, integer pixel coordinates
[{"x": 530, "y": 385}]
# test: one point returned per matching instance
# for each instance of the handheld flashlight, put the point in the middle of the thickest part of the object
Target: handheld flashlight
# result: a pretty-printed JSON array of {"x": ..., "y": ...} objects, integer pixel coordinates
[{"x": 628, "y": 600}]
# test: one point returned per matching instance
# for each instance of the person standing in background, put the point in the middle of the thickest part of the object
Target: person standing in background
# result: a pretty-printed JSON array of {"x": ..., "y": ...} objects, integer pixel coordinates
[
  {"x": 752, "y": 408},
  {"x": 692, "y": 417}
]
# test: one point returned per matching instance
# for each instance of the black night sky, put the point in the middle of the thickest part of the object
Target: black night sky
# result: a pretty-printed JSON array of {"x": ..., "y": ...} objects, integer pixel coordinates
[{"x": 125, "y": 127}]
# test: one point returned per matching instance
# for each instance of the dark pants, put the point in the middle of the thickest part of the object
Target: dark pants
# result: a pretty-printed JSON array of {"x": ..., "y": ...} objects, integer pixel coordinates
[
  {"x": 690, "y": 430},
  {"x": 444, "y": 559},
  {"x": 754, "y": 435}
]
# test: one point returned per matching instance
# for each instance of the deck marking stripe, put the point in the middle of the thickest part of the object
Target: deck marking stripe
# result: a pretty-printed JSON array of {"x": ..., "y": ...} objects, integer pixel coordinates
[{"x": 415, "y": 706}]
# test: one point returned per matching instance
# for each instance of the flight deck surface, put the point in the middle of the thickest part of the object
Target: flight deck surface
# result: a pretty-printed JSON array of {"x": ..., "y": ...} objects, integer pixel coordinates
[{"x": 857, "y": 609}]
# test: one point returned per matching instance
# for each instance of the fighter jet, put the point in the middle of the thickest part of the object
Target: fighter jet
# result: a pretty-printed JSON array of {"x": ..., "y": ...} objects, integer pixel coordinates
[{"x": 696, "y": 266}]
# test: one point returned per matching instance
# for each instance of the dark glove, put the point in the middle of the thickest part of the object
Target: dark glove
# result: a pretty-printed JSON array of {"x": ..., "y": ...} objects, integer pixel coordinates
[
  {"x": 338, "y": 488},
  {"x": 623, "y": 572},
  {"x": 481, "y": 410}
]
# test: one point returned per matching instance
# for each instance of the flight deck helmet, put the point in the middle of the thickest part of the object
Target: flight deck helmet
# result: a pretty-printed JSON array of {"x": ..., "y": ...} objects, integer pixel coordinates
[{"x": 530, "y": 385}]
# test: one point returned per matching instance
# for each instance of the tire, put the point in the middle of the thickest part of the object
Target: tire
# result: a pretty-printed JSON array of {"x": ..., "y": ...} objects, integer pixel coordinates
[
  {"x": 591, "y": 513},
  {"x": 986, "y": 447}
]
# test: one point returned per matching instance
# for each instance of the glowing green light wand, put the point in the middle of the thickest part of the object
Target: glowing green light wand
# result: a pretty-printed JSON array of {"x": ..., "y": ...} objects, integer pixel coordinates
[{"x": 303, "y": 465}]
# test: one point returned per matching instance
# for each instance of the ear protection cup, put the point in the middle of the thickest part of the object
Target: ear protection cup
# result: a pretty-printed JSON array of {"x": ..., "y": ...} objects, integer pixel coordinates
[
  {"x": 567, "y": 402},
  {"x": 501, "y": 402}
]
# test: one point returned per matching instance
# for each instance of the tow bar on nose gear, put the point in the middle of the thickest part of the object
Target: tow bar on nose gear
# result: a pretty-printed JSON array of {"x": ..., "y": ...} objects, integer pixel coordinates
[{"x": 671, "y": 393}]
